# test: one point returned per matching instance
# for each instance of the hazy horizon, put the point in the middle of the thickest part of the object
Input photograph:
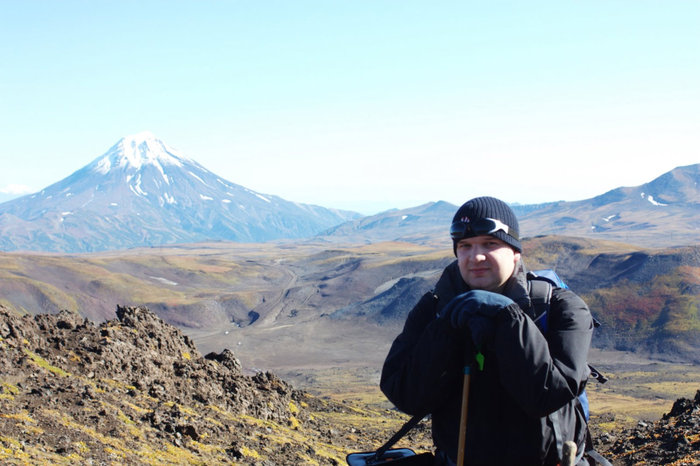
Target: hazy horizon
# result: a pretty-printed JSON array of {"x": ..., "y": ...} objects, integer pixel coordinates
[{"x": 360, "y": 105}]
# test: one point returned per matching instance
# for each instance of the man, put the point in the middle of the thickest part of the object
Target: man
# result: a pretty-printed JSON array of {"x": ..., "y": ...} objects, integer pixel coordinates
[{"x": 524, "y": 385}]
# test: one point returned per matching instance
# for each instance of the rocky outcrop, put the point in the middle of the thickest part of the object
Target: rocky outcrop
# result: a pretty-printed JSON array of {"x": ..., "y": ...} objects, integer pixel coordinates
[
  {"x": 674, "y": 439},
  {"x": 136, "y": 390}
]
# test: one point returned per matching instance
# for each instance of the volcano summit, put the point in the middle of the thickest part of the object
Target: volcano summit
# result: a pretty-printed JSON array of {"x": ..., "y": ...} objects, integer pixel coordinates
[{"x": 142, "y": 192}]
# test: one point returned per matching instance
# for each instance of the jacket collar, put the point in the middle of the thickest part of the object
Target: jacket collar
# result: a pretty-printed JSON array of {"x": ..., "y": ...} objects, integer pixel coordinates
[{"x": 451, "y": 284}]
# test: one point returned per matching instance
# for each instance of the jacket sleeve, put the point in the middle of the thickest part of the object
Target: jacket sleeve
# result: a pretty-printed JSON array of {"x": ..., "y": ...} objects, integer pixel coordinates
[
  {"x": 543, "y": 373},
  {"x": 421, "y": 361}
]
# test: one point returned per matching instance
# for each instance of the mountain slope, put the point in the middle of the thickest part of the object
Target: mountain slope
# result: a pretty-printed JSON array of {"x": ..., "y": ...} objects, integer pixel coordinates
[
  {"x": 142, "y": 192},
  {"x": 418, "y": 224},
  {"x": 664, "y": 212}
]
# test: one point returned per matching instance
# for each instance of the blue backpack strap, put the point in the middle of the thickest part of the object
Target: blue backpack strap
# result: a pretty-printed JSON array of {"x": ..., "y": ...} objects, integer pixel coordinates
[{"x": 548, "y": 274}]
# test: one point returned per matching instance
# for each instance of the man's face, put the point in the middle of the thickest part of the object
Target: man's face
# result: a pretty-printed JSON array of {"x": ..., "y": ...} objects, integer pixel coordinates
[{"x": 485, "y": 262}]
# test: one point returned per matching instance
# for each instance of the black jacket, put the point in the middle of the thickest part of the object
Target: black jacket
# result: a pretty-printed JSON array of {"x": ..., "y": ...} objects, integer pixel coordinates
[{"x": 524, "y": 403}]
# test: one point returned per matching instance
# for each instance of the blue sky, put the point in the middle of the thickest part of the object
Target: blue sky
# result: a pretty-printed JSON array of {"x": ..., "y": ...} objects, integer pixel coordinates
[{"x": 362, "y": 105}]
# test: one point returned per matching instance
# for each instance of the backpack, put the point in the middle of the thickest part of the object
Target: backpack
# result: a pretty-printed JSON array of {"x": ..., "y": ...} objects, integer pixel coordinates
[{"x": 540, "y": 286}]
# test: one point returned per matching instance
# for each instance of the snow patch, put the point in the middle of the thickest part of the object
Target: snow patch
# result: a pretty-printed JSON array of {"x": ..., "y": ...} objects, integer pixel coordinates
[
  {"x": 263, "y": 198},
  {"x": 162, "y": 172},
  {"x": 205, "y": 198},
  {"x": 137, "y": 188},
  {"x": 226, "y": 201},
  {"x": 651, "y": 199},
  {"x": 224, "y": 183},
  {"x": 103, "y": 166},
  {"x": 609, "y": 217},
  {"x": 169, "y": 199},
  {"x": 164, "y": 280},
  {"x": 198, "y": 178}
]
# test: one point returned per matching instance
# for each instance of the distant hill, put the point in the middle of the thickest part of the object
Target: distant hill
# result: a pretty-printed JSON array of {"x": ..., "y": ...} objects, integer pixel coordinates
[
  {"x": 333, "y": 303},
  {"x": 142, "y": 192},
  {"x": 422, "y": 224},
  {"x": 646, "y": 299},
  {"x": 664, "y": 212}
]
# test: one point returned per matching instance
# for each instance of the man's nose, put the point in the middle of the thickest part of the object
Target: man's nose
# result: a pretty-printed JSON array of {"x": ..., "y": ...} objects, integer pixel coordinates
[{"x": 477, "y": 253}]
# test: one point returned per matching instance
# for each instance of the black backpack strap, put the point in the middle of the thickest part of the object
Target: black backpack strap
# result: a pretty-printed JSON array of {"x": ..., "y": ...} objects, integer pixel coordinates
[
  {"x": 396, "y": 437},
  {"x": 592, "y": 454},
  {"x": 540, "y": 291}
]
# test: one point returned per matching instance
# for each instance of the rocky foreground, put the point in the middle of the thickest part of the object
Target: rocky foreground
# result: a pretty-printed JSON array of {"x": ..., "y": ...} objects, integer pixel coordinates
[{"x": 135, "y": 390}]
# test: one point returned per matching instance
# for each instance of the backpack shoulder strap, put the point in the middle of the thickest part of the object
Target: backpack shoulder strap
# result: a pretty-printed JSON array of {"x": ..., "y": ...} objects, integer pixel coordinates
[
  {"x": 540, "y": 285},
  {"x": 540, "y": 291},
  {"x": 410, "y": 424}
]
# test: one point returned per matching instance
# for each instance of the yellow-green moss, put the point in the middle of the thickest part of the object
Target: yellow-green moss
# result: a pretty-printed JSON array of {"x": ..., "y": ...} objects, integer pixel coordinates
[{"x": 39, "y": 361}]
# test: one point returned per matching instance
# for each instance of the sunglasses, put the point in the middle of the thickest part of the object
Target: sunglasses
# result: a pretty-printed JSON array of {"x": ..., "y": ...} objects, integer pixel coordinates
[{"x": 478, "y": 227}]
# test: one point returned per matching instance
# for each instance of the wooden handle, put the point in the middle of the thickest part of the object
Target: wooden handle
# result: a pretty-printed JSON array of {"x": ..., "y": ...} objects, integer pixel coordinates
[
  {"x": 568, "y": 453},
  {"x": 463, "y": 418}
]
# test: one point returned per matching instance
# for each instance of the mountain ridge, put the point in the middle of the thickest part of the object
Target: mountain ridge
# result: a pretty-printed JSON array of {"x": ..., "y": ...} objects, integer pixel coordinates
[
  {"x": 661, "y": 213},
  {"x": 141, "y": 192}
]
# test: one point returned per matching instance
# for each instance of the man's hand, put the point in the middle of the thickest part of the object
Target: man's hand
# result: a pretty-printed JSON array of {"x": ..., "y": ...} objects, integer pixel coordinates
[{"x": 475, "y": 311}]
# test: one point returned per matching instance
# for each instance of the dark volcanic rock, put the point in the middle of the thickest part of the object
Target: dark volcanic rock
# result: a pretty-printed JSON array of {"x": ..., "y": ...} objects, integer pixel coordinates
[
  {"x": 675, "y": 439},
  {"x": 135, "y": 390}
]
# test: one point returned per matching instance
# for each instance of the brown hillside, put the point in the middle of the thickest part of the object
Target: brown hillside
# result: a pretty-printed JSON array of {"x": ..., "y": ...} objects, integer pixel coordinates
[{"x": 135, "y": 390}]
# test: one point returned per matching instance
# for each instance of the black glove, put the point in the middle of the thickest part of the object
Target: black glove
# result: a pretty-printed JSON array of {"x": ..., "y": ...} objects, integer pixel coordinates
[{"x": 475, "y": 310}]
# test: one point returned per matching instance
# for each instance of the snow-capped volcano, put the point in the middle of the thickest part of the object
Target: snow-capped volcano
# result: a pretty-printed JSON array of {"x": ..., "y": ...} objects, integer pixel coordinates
[
  {"x": 143, "y": 192},
  {"x": 137, "y": 150},
  {"x": 150, "y": 167}
]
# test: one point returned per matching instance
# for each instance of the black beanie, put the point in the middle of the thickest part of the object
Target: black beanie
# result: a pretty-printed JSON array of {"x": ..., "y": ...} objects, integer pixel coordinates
[{"x": 490, "y": 207}]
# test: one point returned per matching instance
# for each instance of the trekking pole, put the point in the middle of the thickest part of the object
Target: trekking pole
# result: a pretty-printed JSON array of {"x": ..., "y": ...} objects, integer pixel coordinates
[
  {"x": 568, "y": 453},
  {"x": 461, "y": 447}
]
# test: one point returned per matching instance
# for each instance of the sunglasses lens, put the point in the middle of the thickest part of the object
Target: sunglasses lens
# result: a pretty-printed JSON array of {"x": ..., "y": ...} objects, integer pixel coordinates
[
  {"x": 478, "y": 227},
  {"x": 481, "y": 226},
  {"x": 484, "y": 226},
  {"x": 458, "y": 230}
]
